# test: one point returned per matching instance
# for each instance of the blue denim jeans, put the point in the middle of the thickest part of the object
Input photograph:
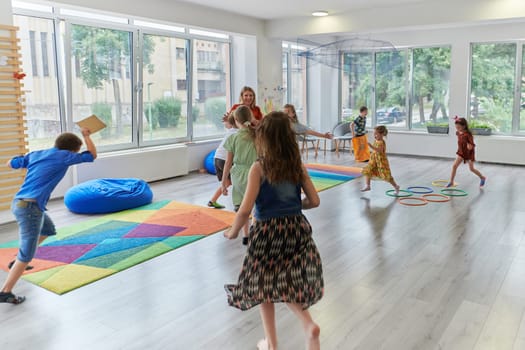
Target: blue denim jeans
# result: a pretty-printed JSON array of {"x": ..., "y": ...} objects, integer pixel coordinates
[{"x": 32, "y": 222}]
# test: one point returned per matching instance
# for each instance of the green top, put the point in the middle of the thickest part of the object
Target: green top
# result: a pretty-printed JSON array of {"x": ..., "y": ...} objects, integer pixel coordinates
[{"x": 244, "y": 155}]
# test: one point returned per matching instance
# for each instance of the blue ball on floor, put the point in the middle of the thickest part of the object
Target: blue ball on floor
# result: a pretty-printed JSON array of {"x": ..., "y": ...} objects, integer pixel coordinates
[
  {"x": 209, "y": 163},
  {"x": 102, "y": 196}
]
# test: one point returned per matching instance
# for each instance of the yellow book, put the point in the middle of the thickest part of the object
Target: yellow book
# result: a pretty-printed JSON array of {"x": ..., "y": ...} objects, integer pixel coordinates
[{"x": 93, "y": 123}]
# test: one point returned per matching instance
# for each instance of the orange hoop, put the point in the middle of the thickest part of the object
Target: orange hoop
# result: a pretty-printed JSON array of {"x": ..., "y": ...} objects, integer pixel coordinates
[
  {"x": 435, "y": 196},
  {"x": 406, "y": 201}
]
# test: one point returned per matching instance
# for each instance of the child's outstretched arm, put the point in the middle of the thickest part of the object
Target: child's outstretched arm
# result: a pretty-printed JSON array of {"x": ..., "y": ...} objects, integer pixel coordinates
[
  {"x": 326, "y": 135},
  {"x": 248, "y": 201},
  {"x": 311, "y": 199},
  {"x": 380, "y": 149},
  {"x": 89, "y": 143}
]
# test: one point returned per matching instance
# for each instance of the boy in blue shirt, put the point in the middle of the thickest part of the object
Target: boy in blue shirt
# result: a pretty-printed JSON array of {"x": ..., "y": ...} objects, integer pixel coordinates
[{"x": 45, "y": 169}]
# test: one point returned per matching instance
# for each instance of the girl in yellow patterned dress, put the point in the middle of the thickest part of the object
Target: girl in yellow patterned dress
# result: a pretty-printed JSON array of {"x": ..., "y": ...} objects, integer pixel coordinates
[{"x": 378, "y": 167}]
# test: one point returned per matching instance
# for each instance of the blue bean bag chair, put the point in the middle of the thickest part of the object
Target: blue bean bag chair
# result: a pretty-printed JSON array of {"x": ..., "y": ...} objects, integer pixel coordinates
[
  {"x": 107, "y": 196},
  {"x": 209, "y": 163}
]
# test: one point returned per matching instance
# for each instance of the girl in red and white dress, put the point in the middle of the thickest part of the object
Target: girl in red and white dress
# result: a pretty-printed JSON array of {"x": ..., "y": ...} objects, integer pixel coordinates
[{"x": 465, "y": 153}]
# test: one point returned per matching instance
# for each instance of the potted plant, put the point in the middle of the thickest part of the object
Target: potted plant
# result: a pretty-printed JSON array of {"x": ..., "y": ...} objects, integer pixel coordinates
[
  {"x": 166, "y": 111},
  {"x": 214, "y": 108},
  {"x": 480, "y": 128},
  {"x": 437, "y": 127}
]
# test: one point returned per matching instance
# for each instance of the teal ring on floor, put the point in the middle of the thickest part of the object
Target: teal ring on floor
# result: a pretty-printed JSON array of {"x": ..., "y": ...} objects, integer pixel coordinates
[
  {"x": 454, "y": 192},
  {"x": 392, "y": 193}
]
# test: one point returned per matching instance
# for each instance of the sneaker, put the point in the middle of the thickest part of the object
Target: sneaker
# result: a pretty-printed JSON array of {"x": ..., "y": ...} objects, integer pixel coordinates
[
  {"x": 450, "y": 184},
  {"x": 215, "y": 205},
  {"x": 7, "y": 297},
  {"x": 482, "y": 181}
]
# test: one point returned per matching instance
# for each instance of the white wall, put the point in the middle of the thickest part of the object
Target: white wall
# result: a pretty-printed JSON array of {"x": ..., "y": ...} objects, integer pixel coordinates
[
  {"x": 444, "y": 12},
  {"x": 269, "y": 73},
  {"x": 176, "y": 12},
  {"x": 244, "y": 59},
  {"x": 6, "y": 16},
  {"x": 323, "y": 99}
]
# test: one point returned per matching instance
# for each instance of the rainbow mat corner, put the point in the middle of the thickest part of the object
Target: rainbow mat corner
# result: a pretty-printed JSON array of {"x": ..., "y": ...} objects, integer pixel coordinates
[{"x": 325, "y": 176}]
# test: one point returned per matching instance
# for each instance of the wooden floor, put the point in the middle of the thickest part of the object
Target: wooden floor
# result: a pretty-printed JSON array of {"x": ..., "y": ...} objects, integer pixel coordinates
[{"x": 442, "y": 276}]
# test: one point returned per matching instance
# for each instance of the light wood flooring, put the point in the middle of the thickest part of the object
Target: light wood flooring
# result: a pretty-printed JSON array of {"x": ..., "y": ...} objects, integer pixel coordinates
[{"x": 442, "y": 276}]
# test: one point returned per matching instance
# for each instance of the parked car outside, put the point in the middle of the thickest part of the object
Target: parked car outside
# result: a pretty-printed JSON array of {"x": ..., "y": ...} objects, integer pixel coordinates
[{"x": 382, "y": 117}]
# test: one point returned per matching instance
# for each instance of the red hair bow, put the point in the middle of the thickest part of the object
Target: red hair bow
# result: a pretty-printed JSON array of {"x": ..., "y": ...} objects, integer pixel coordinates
[{"x": 19, "y": 75}]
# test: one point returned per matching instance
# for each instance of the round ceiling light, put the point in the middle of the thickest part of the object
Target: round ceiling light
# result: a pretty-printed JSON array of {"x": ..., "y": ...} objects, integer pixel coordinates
[{"x": 320, "y": 13}]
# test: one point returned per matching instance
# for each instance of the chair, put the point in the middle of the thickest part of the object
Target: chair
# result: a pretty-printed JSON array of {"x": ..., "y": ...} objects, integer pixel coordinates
[
  {"x": 342, "y": 132},
  {"x": 304, "y": 139}
]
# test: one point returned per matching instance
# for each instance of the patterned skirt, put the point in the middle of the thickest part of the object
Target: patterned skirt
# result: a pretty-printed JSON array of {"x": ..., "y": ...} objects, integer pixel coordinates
[
  {"x": 282, "y": 265},
  {"x": 378, "y": 168}
]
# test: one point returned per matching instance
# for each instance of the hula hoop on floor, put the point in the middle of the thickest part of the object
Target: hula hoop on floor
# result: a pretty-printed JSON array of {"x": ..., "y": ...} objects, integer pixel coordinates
[
  {"x": 419, "y": 189},
  {"x": 436, "y": 195},
  {"x": 416, "y": 201},
  {"x": 453, "y": 192},
  {"x": 443, "y": 183},
  {"x": 402, "y": 193}
]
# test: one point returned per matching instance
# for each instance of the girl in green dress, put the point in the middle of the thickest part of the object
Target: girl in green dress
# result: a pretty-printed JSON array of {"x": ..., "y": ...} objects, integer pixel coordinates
[{"x": 241, "y": 156}]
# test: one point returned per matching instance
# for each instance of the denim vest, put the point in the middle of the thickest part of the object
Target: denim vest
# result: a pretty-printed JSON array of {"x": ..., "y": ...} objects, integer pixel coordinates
[{"x": 277, "y": 200}]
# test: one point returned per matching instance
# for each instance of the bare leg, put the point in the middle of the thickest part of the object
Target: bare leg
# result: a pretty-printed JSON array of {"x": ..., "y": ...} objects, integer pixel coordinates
[
  {"x": 268, "y": 318},
  {"x": 216, "y": 195},
  {"x": 14, "y": 275},
  {"x": 367, "y": 182},
  {"x": 474, "y": 170},
  {"x": 396, "y": 186},
  {"x": 16, "y": 271},
  {"x": 455, "y": 166},
  {"x": 247, "y": 228},
  {"x": 311, "y": 329}
]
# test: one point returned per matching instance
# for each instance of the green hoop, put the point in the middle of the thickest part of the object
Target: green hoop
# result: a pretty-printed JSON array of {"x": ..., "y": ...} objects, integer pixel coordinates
[
  {"x": 392, "y": 193},
  {"x": 453, "y": 192}
]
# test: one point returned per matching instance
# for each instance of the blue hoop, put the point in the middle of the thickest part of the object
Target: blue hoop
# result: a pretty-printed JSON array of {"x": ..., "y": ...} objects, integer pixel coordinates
[{"x": 426, "y": 189}]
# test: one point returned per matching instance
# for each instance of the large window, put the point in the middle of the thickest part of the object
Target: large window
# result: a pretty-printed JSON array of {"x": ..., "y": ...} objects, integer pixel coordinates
[
  {"x": 135, "y": 75},
  {"x": 357, "y": 83},
  {"x": 391, "y": 88},
  {"x": 383, "y": 82},
  {"x": 521, "y": 124},
  {"x": 41, "y": 83},
  {"x": 103, "y": 87},
  {"x": 295, "y": 78},
  {"x": 430, "y": 86},
  {"x": 165, "y": 97},
  {"x": 285, "y": 77},
  {"x": 211, "y": 86},
  {"x": 298, "y": 85},
  {"x": 492, "y": 85}
]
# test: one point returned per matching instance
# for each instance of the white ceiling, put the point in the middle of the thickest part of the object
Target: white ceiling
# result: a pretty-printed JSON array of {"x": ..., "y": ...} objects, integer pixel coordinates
[{"x": 275, "y": 9}]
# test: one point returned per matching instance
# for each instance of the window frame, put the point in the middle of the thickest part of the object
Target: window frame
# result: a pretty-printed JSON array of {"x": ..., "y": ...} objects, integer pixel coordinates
[
  {"x": 62, "y": 59},
  {"x": 517, "y": 88}
]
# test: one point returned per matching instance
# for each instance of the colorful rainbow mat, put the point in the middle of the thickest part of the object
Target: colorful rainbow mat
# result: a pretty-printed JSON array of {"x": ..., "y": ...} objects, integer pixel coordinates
[
  {"x": 325, "y": 176},
  {"x": 86, "y": 252}
]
